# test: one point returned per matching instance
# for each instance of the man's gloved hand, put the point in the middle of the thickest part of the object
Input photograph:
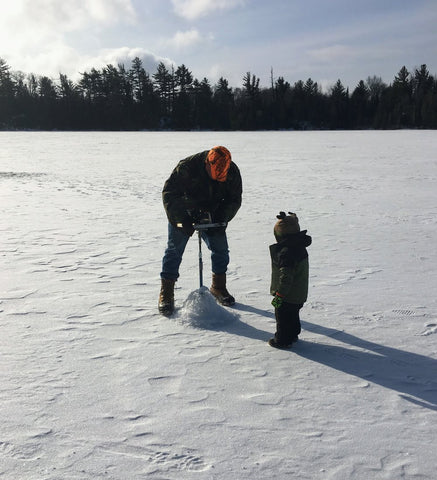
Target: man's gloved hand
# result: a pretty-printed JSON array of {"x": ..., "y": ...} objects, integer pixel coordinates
[
  {"x": 218, "y": 217},
  {"x": 277, "y": 300},
  {"x": 187, "y": 227}
]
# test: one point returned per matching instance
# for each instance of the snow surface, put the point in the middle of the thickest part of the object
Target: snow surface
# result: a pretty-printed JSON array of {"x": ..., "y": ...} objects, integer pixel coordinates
[{"x": 95, "y": 384}]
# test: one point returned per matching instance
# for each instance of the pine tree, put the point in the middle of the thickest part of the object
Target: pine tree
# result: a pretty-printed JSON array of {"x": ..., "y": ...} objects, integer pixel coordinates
[
  {"x": 203, "y": 107},
  {"x": 250, "y": 113},
  {"x": 360, "y": 105},
  {"x": 146, "y": 102},
  {"x": 163, "y": 81},
  {"x": 402, "y": 105},
  {"x": 7, "y": 91},
  {"x": 223, "y": 101},
  {"x": 182, "y": 104},
  {"x": 423, "y": 97},
  {"x": 281, "y": 101},
  {"x": 339, "y": 106}
]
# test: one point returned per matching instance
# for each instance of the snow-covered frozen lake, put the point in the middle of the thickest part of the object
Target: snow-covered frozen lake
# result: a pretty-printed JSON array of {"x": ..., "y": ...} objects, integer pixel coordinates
[{"x": 95, "y": 384}]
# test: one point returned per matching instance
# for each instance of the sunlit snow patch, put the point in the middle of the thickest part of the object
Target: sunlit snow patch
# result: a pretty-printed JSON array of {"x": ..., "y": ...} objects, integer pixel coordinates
[{"x": 201, "y": 310}]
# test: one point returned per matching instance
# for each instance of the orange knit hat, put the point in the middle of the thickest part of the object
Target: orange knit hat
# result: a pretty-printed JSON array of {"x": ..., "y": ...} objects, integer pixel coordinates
[{"x": 218, "y": 163}]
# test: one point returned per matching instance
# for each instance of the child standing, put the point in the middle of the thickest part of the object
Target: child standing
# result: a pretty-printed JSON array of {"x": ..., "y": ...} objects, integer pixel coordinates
[{"x": 289, "y": 283}]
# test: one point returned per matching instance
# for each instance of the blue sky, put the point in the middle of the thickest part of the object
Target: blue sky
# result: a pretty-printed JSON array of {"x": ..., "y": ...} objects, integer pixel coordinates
[{"x": 322, "y": 39}]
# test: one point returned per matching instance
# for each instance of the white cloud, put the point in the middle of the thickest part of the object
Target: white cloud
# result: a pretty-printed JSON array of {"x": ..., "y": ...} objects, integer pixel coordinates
[
  {"x": 72, "y": 63},
  {"x": 187, "y": 39},
  {"x": 35, "y": 35},
  {"x": 22, "y": 19},
  {"x": 193, "y": 9},
  {"x": 28, "y": 26},
  {"x": 125, "y": 55},
  {"x": 77, "y": 14}
]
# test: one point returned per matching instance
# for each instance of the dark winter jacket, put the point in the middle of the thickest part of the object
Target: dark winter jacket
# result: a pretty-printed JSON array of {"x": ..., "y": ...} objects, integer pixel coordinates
[
  {"x": 190, "y": 188},
  {"x": 290, "y": 270}
]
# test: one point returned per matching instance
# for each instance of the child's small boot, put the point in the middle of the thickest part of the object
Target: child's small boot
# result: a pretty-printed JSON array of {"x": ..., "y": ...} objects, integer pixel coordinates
[
  {"x": 275, "y": 344},
  {"x": 283, "y": 337}
]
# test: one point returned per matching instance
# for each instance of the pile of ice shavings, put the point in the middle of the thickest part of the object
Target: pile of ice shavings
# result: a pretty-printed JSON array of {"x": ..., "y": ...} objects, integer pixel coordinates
[{"x": 201, "y": 310}]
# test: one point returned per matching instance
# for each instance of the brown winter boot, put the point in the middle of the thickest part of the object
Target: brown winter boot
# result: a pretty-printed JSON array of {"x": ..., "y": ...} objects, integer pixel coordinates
[
  {"x": 166, "y": 297},
  {"x": 218, "y": 289}
]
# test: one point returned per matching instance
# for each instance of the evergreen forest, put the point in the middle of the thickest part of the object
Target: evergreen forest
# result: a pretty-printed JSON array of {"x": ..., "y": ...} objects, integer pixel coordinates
[{"x": 120, "y": 98}]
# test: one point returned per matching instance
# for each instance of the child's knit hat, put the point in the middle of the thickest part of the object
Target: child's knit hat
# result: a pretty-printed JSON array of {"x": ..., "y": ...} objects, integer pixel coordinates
[{"x": 286, "y": 225}]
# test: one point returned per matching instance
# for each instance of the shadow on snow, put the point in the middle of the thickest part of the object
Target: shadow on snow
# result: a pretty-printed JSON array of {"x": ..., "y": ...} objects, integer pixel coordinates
[
  {"x": 413, "y": 375},
  {"x": 410, "y": 374}
]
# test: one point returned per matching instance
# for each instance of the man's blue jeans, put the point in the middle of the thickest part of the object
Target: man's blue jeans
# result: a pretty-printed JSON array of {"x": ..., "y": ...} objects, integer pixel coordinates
[{"x": 216, "y": 242}]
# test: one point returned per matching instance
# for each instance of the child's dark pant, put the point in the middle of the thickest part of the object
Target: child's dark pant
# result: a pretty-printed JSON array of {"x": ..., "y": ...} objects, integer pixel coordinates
[{"x": 287, "y": 323}]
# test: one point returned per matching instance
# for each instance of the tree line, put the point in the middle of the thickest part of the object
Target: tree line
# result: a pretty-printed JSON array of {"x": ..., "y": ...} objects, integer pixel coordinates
[{"x": 117, "y": 98}]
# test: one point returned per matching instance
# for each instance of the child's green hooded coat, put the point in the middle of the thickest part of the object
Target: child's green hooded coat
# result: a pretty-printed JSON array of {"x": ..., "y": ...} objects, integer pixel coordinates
[{"x": 290, "y": 269}]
